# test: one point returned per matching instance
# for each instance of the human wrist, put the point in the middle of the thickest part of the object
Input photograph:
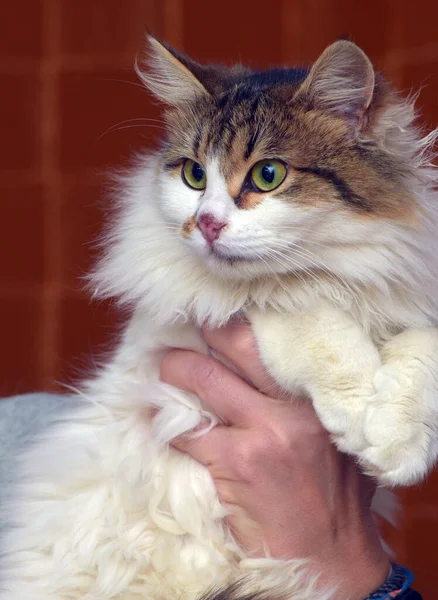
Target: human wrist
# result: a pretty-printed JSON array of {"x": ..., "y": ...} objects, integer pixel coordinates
[
  {"x": 358, "y": 579},
  {"x": 356, "y": 566}
]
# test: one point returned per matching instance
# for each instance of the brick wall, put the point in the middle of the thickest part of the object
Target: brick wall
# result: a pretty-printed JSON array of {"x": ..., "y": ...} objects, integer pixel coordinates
[{"x": 72, "y": 109}]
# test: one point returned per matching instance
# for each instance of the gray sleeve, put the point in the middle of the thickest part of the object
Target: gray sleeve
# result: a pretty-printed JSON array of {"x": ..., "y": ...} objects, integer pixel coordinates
[{"x": 21, "y": 419}]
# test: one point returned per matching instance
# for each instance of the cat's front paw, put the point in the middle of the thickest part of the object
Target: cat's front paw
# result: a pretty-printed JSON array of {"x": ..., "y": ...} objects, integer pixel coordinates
[
  {"x": 401, "y": 444},
  {"x": 344, "y": 420}
]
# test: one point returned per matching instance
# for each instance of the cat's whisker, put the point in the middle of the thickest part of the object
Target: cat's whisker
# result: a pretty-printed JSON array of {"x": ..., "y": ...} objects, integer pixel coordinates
[
  {"x": 287, "y": 265},
  {"x": 138, "y": 122},
  {"x": 296, "y": 248},
  {"x": 310, "y": 256},
  {"x": 315, "y": 262},
  {"x": 141, "y": 119},
  {"x": 172, "y": 228},
  {"x": 308, "y": 271},
  {"x": 315, "y": 243},
  {"x": 131, "y": 127},
  {"x": 139, "y": 85}
]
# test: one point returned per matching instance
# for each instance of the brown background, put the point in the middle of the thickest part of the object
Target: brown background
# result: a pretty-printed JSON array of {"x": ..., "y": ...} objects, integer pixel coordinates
[{"x": 68, "y": 95}]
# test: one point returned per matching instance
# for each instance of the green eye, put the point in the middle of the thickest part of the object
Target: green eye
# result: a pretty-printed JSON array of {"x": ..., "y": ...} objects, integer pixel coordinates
[
  {"x": 194, "y": 175},
  {"x": 267, "y": 175}
]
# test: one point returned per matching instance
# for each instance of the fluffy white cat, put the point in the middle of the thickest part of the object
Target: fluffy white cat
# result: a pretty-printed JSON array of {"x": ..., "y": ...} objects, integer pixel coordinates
[{"x": 304, "y": 200}]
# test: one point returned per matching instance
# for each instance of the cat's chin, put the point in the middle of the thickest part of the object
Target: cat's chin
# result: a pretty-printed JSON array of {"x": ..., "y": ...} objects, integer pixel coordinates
[
  {"x": 230, "y": 258},
  {"x": 235, "y": 267},
  {"x": 225, "y": 264}
]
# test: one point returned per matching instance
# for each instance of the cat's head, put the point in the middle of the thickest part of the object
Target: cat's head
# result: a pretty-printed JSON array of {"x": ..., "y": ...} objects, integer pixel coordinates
[{"x": 270, "y": 171}]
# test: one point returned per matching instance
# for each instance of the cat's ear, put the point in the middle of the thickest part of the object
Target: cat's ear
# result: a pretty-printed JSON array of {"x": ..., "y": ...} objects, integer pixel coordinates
[
  {"x": 171, "y": 76},
  {"x": 342, "y": 82}
]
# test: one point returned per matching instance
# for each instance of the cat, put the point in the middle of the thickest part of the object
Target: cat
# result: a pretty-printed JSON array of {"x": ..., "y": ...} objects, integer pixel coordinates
[{"x": 304, "y": 200}]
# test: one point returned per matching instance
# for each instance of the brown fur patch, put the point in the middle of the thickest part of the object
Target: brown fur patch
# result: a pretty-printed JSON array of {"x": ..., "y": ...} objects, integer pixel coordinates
[
  {"x": 250, "y": 200},
  {"x": 188, "y": 227}
]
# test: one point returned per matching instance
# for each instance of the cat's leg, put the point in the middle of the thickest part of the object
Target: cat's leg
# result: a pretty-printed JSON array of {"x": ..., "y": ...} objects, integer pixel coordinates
[
  {"x": 327, "y": 354},
  {"x": 401, "y": 421}
]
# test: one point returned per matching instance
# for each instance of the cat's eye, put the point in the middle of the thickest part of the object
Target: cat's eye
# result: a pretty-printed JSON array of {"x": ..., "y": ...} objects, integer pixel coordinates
[
  {"x": 193, "y": 175},
  {"x": 267, "y": 175}
]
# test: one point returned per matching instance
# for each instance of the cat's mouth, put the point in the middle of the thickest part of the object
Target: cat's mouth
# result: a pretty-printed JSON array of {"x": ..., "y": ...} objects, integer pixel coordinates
[{"x": 230, "y": 257}]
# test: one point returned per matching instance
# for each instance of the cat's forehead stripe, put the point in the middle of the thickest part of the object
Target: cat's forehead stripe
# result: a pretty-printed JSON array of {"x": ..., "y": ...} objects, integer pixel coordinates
[
  {"x": 236, "y": 116},
  {"x": 197, "y": 141}
]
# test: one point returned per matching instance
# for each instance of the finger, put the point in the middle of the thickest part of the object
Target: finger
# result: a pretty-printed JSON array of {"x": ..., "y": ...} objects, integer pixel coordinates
[
  {"x": 236, "y": 342},
  {"x": 204, "y": 448},
  {"x": 221, "y": 390}
]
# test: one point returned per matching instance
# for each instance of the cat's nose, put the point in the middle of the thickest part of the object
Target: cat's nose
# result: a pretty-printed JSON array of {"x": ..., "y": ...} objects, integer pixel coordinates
[{"x": 210, "y": 227}]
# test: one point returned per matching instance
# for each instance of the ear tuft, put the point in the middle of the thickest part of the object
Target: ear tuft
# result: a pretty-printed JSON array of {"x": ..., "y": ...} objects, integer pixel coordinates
[
  {"x": 341, "y": 81},
  {"x": 169, "y": 74}
]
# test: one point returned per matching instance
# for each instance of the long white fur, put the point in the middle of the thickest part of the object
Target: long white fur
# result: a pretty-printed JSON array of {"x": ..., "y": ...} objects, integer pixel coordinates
[{"x": 105, "y": 510}]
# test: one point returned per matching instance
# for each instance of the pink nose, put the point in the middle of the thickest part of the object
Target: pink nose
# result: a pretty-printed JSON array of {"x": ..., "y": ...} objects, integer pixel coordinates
[{"x": 210, "y": 227}]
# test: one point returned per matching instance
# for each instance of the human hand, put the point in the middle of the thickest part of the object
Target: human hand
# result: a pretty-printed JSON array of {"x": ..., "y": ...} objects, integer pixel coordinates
[{"x": 286, "y": 487}]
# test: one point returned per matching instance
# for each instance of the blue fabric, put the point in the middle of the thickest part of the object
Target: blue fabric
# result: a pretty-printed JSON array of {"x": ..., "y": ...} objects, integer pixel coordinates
[
  {"x": 21, "y": 419},
  {"x": 410, "y": 595}
]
